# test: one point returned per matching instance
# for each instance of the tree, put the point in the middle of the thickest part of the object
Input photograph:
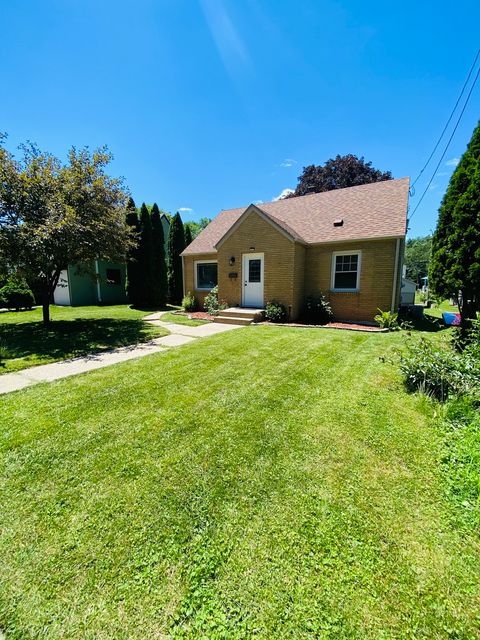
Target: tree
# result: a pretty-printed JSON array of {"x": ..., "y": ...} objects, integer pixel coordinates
[
  {"x": 188, "y": 234},
  {"x": 145, "y": 259},
  {"x": 176, "y": 244},
  {"x": 417, "y": 257},
  {"x": 53, "y": 214},
  {"x": 455, "y": 265},
  {"x": 133, "y": 269},
  {"x": 338, "y": 173},
  {"x": 159, "y": 265},
  {"x": 196, "y": 227}
]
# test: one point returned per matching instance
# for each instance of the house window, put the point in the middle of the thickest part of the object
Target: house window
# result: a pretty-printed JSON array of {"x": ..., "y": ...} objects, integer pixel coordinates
[
  {"x": 113, "y": 276},
  {"x": 346, "y": 271},
  {"x": 206, "y": 275}
]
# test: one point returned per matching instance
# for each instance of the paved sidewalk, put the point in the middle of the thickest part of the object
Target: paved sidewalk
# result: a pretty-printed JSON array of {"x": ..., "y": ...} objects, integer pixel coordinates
[{"x": 179, "y": 334}]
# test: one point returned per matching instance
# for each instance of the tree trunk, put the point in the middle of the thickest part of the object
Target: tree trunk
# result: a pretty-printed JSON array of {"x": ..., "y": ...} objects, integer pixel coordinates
[{"x": 46, "y": 308}]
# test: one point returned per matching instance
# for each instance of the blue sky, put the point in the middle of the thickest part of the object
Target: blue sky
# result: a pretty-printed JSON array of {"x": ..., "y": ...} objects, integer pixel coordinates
[{"x": 210, "y": 104}]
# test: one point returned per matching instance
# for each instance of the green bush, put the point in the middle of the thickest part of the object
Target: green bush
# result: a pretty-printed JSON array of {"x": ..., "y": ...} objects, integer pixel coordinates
[
  {"x": 275, "y": 312},
  {"x": 317, "y": 310},
  {"x": 16, "y": 295},
  {"x": 439, "y": 371},
  {"x": 212, "y": 304},
  {"x": 189, "y": 303},
  {"x": 387, "y": 320}
]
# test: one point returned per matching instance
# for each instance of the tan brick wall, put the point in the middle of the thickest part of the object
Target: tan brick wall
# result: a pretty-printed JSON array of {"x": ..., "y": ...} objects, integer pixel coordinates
[
  {"x": 279, "y": 260},
  {"x": 376, "y": 278},
  {"x": 189, "y": 278},
  {"x": 293, "y": 271}
]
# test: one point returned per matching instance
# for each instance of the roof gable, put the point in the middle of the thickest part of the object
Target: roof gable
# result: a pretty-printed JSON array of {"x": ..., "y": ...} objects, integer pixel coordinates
[
  {"x": 377, "y": 210},
  {"x": 278, "y": 225}
]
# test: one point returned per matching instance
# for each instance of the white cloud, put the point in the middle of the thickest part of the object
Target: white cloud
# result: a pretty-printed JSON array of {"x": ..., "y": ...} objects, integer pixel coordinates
[
  {"x": 432, "y": 187},
  {"x": 453, "y": 162},
  {"x": 185, "y": 209},
  {"x": 442, "y": 173},
  {"x": 257, "y": 201},
  {"x": 227, "y": 39},
  {"x": 286, "y": 192},
  {"x": 288, "y": 162}
]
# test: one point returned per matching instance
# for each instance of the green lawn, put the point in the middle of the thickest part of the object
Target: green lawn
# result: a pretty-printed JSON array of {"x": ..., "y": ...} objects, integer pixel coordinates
[
  {"x": 74, "y": 331},
  {"x": 264, "y": 483},
  {"x": 178, "y": 318}
]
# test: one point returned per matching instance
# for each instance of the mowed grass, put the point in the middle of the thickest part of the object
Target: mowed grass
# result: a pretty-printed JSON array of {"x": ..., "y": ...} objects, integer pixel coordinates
[
  {"x": 265, "y": 483},
  {"x": 74, "y": 331}
]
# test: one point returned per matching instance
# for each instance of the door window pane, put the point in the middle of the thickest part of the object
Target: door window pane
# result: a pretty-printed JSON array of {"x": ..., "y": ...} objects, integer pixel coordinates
[{"x": 254, "y": 270}]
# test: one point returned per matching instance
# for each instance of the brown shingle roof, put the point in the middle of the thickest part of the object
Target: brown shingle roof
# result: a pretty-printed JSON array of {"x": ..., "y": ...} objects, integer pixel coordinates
[{"x": 377, "y": 210}]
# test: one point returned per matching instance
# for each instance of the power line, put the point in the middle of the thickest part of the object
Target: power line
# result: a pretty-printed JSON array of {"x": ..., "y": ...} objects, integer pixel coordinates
[
  {"x": 448, "y": 121},
  {"x": 448, "y": 143}
]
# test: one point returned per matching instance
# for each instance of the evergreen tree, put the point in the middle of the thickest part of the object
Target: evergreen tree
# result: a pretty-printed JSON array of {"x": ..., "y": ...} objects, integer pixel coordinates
[
  {"x": 176, "y": 244},
  {"x": 146, "y": 258},
  {"x": 159, "y": 264},
  {"x": 133, "y": 270},
  {"x": 455, "y": 263},
  {"x": 188, "y": 235}
]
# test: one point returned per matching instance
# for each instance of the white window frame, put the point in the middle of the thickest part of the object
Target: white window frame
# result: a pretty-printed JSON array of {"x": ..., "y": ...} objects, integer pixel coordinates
[
  {"x": 333, "y": 270},
  {"x": 197, "y": 262}
]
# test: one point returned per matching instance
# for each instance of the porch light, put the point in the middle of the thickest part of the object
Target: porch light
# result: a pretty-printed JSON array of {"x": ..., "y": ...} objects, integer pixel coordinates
[
  {"x": 252, "y": 248},
  {"x": 231, "y": 262}
]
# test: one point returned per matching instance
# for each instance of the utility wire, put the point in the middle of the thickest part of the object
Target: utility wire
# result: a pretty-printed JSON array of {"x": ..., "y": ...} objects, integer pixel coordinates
[
  {"x": 448, "y": 143},
  {"x": 448, "y": 121}
]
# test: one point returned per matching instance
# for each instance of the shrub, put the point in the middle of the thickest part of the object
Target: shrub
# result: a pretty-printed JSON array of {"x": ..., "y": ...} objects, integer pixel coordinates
[
  {"x": 212, "y": 304},
  {"x": 438, "y": 371},
  {"x": 189, "y": 303},
  {"x": 317, "y": 310},
  {"x": 16, "y": 295},
  {"x": 275, "y": 312},
  {"x": 387, "y": 320}
]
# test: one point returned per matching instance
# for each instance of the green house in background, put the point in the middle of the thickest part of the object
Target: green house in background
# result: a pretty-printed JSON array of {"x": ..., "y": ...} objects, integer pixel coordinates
[{"x": 76, "y": 288}]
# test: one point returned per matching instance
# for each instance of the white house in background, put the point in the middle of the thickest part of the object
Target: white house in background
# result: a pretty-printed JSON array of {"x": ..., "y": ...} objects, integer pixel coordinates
[{"x": 407, "y": 292}]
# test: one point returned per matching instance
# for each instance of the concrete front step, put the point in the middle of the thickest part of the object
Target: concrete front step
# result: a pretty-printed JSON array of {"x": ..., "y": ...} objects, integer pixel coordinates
[
  {"x": 233, "y": 320},
  {"x": 241, "y": 312}
]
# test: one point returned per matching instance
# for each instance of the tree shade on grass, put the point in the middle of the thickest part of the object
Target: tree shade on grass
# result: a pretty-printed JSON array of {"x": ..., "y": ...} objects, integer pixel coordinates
[
  {"x": 76, "y": 331},
  {"x": 455, "y": 264},
  {"x": 176, "y": 244},
  {"x": 159, "y": 275},
  {"x": 268, "y": 482}
]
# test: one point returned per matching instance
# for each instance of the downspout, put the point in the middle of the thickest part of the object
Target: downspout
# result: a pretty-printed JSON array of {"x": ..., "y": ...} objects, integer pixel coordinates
[
  {"x": 99, "y": 290},
  {"x": 395, "y": 275}
]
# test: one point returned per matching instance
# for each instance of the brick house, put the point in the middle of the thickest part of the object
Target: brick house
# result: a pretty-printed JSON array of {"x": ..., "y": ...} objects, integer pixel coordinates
[{"x": 347, "y": 243}]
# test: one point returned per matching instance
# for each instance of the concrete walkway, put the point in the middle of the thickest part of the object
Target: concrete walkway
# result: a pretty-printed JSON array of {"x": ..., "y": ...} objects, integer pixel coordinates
[{"x": 179, "y": 334}]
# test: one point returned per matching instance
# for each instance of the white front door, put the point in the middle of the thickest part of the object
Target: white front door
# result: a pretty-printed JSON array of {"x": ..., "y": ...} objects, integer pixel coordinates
[{"x": 253, "y": 280}]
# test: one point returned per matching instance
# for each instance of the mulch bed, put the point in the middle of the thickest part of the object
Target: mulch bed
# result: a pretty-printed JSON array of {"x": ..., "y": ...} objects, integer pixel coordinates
[{"x": 200, "y": 315}]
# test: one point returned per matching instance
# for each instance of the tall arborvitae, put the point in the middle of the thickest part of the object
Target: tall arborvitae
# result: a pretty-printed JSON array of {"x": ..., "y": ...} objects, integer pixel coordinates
[
  {"x": 133, "y": 269},
  {"x": 455, "y": 263},
  {"x": 188, "y": 234},
  {"x": 146, "y": 258},
  {"x": 176, "y": 244},
  {"x": 159, "y": 265}
]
